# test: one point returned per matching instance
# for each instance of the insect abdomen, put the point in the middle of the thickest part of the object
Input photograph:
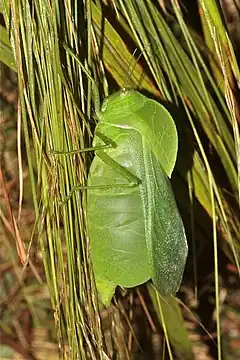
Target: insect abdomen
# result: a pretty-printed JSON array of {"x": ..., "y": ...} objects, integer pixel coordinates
[{"x": 115, "y": 216}]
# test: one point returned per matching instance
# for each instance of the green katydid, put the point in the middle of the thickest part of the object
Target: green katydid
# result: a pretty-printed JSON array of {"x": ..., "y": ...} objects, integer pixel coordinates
[{"x": 135, "y": 229}]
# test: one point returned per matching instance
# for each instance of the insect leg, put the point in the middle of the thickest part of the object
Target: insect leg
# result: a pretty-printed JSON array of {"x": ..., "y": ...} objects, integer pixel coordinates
[
  {"x": 133, "y": 180},
  {"x": 79, "y": 151},
  {"x": 108, "y": 144},
  {"x": 95, "y": 187}
]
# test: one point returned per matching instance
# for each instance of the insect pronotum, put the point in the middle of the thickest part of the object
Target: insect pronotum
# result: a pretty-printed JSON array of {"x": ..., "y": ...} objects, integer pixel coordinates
[{"x": 135, "y": 229}]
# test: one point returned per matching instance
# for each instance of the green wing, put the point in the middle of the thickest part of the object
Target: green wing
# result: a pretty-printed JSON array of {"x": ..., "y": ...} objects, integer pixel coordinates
[{"x": 164, "y": 230}]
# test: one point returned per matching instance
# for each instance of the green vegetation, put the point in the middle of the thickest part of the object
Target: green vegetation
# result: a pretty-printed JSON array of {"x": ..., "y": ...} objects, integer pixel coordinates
[{"x": 196, "y": 76}]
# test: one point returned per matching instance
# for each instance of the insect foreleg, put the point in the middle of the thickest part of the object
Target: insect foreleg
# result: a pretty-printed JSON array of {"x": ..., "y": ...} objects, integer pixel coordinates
[{"x": 108, "y": 144}]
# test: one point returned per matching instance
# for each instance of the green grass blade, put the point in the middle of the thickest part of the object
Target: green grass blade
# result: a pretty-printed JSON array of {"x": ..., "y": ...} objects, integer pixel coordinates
[
  {"x": 6, "y": 54},
  {"x": 171, "y": 318}
]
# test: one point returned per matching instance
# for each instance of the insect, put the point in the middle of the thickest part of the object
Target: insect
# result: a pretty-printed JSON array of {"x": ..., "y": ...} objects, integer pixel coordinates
[{"x": 135, "y": 229}]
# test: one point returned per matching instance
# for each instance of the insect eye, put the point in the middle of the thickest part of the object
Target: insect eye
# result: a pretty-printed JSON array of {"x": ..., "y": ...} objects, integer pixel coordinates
[{"x": 124, "y": 91}]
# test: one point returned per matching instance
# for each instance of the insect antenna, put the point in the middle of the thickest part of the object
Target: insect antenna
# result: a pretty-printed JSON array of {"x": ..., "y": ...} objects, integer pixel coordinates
[
  {"x": 94, "y": 85},
  {"x": 129, "y": 73}
]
